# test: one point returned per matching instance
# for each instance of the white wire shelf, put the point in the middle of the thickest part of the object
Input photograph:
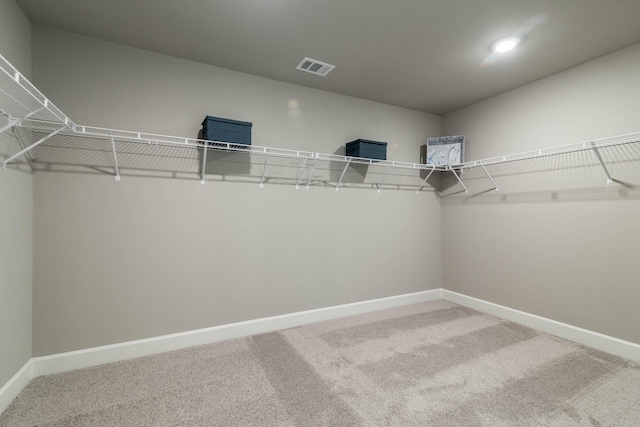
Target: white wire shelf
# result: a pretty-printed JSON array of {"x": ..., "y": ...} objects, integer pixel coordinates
[
  {"x": 631, "y": 138},
  {"x": 48, "y": 137},
  {"x": 604, "y": 165},
  {"x": 19, "y": 100},
  {"x": 118, "y": 149}
]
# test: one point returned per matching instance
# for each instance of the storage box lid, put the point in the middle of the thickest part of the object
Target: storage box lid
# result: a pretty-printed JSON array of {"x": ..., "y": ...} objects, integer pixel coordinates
[
  {"x": 368, "y": 141},
  {"x": 220, "y": 119}
]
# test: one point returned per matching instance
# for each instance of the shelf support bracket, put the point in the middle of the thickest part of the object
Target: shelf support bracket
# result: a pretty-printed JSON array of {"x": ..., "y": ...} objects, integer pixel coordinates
[
  {"x": 342, "y": 175},
  {"x": 17, "y": 122},
  {"x": 304, "y": 164},
  {"x": 490, "y": 177},
  {"x": 31, "y": 147},
  {"x": 604, "y": 166},
  {"x": 22, "y": 144},
  {"x": 424, "y": 181},
  {"x": 12, "y": 122},
  {"x": 466, "y": 190},
  {"x": 205, "y": 148},
  {"x": 313, "y": 168},
  {"x": 115, "y": 158},
  {"x": 264, "y": 169}
]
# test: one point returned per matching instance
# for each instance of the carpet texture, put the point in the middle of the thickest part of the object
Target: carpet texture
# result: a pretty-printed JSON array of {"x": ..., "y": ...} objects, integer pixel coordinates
[{"x": 428, "y": 364}]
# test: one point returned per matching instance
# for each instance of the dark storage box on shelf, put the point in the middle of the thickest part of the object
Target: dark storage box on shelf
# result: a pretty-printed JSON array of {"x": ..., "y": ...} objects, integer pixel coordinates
[
  {"x": 226, "y": 130},
  {"x": 367, "y": 149}
]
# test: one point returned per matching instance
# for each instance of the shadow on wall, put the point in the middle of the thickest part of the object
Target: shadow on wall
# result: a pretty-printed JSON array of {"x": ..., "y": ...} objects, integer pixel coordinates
[
  {"x": 232, "y": 163},
  {"x": 587, "y": 194}
]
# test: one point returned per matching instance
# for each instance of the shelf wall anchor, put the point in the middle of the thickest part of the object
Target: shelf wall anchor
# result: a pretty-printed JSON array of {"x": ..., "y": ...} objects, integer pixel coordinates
[
  {"x": 342, "y": 175},
  {"x": 31, "y": 147},
  {"x": 115, "y": 158}
]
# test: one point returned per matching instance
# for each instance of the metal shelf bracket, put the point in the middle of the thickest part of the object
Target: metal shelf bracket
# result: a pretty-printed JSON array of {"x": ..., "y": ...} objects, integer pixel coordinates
[
  {"x": 304, "y": 164},
  {"x": 31, "y": 147},
  {"x": 264, "y": 169},
  {"x": 18, "y": 138},
  {"x": 313, "y": 168},
  {"x": 424, "y": 181},
  {"x": 466, "y": 190},
  {"x": 490, "y": 177},
  {"x": 604, "y": 165},
  {"x": 342, "y": 175},
  {"x": 12, "y": 122},
  {"x": 18, "y": 121},
  {"x": 115, "y": 158},
  {"x": 205, "y": 148}
]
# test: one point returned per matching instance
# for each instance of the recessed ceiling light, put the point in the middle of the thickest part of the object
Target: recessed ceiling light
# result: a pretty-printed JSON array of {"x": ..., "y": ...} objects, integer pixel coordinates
[{"x": 505, "y": 44}]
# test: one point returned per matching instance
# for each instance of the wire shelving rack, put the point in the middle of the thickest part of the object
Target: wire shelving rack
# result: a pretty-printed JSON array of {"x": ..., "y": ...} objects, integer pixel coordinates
[{"x": 47, "y": 136}]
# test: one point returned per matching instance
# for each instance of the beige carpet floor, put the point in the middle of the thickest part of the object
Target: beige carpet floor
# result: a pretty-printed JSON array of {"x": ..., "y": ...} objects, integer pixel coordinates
[{"x": 429, "y": 364}]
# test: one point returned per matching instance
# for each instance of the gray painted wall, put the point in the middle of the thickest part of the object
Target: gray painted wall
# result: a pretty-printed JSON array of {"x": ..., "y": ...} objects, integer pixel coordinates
[
  {"x": 566, "y": 257},
  {"x": 149, "y": 256},
  {"x": 16, "y": 215},
  {"x": 15, "y": 40}
]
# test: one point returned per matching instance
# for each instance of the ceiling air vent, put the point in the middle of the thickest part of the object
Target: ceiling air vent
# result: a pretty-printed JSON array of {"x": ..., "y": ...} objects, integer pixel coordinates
[{"x": 315, "y": 67}]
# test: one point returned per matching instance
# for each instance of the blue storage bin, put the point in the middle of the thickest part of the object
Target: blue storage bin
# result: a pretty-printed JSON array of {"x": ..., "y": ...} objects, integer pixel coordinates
[
  {"x": 226, "y": 130},
  {"x": 367, "y": 149}
]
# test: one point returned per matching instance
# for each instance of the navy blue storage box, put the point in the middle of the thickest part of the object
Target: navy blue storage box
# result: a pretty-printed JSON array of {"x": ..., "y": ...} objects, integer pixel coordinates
[
  {"x": 226, "y": 130},
  {"x": 367, "y": 149}
]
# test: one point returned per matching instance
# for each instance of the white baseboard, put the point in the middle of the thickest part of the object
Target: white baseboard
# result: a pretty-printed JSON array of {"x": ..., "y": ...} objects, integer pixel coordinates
[
  {"x": 14, "y": 386},
  {"x": 128, "y": 350},
  {"x": 602, "y": 342}
]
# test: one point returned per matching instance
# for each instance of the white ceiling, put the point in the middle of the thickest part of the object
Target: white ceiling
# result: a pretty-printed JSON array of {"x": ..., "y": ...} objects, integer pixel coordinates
[{"x": 427, "y": 55}]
